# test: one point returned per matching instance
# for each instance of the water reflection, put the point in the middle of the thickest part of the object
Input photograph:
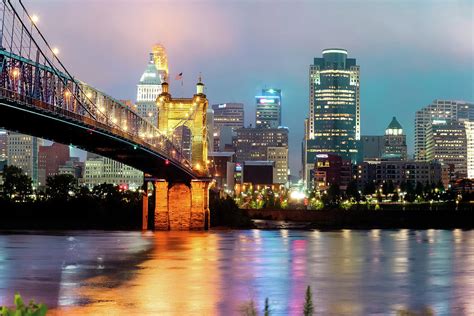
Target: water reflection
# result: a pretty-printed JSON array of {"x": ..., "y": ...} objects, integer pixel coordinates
[{"x": 213, "y": 273}]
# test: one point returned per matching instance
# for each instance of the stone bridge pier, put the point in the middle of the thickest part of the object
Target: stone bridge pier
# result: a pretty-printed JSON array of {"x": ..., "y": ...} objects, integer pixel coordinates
[{"x": 179, "y": 206}]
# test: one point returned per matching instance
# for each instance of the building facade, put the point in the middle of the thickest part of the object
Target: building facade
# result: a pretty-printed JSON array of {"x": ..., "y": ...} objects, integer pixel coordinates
[
  {"x": 258, "y": 172},
  {"x": 331, "y": 169},
  {"x": 268, "y": 109},
  {"x": 23, "y": 153},
  {"x": 438, "y": 110},
  {"x": 50, "y": 159},
  {"x": 470, "y": 148},
  {"x": 372, "y": 147},
  {"x": 398, "y": 172},
  {"x": 149, "y": 86},
  {"x": 228, "y": 117},
  {"x": 395, "y": 141},
  {"x": 446, "y": 143},
  {"x": 252, "y": 143},
  {"x": 99, "y": 170},
  {"x": 222, "y": 169},
  {"x": 334, "y": 108},
  {"x": 279, "y": 155},
  {"x": 3, "y": 145}
]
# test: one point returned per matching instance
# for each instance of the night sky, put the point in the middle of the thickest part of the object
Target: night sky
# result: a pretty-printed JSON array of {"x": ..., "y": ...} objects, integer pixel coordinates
[{"x": 410, "y": 52}]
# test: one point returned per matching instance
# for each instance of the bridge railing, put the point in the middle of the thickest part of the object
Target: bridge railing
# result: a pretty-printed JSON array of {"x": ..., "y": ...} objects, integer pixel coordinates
[{"x": 30, "y": 76}]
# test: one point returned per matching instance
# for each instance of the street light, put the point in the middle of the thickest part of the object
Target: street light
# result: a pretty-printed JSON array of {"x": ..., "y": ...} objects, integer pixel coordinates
[{"x": 55, "y": 51}]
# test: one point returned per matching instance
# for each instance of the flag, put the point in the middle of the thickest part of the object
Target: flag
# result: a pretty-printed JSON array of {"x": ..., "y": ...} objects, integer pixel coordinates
[{"x": 179, "y": 76}]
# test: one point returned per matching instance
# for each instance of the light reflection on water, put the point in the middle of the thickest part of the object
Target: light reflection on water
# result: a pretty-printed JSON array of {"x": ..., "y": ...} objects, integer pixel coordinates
[{"x": 351, "y": 272}]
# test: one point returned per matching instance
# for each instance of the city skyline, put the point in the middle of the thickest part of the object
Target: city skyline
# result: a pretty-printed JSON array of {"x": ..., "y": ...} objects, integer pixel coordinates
[{"x": 435, "y": 61}]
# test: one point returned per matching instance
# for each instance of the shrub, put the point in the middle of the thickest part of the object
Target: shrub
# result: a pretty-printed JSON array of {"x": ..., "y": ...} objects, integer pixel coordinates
[{"x": 32, "y": 309}]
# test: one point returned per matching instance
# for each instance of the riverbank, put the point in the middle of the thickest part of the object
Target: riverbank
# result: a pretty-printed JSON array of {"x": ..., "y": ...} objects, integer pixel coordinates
[{"x": 362, "y": 218}]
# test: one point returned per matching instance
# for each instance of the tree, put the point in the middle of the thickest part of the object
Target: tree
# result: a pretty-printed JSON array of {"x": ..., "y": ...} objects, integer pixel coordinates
[
  {"x": 387, "y": 187},
  {"x": 60, "y": 186},
  {"x": 395, "y": 197},
  {"x": 403, "y": 186},
  {"x": 334, "y": 193},
  {"x": 419, "y": 189},
  {"x": 352, "y": 191},
  {"x": 106, "y": 191},
  {"x": 369, "y": 188},
  {"x": 266, "y": 309},
  {"x": 308, "y": 308},
  {"x": 16, "y": 184}
]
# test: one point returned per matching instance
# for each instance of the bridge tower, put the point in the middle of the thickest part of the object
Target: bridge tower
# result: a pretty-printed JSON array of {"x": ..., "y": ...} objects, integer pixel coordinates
[
  {"x": 183, "y": 205},
  {"x": 188, "y": 113}
]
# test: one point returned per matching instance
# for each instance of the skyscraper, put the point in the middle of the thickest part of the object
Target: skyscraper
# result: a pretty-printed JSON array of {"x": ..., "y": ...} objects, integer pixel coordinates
[
  {"x": 395, "y": 141},
  {"x": 438, "y": 110},
  {"x": 334, "y": 108},
  {"x": 228, "y": 117},
  {"x": 268, "y": 111},
  {"x": 149, "y": 86}
]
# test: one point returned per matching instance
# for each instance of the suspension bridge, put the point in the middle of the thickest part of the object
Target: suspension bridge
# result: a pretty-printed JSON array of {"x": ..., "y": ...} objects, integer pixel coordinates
[{"x": 39, "y": 96}]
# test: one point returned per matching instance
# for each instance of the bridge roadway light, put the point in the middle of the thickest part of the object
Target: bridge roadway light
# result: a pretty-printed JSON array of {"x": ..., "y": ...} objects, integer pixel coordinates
[
  {"x": 15, "y": 72},
  {"x": 34, "y": 19},
  {"x": 55, "y": 51}
]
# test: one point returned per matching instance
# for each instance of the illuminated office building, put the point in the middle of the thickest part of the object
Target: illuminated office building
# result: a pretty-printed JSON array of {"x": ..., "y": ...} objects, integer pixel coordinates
[
  {"x": 23, "y": 153},
  {"x": 438, "y": 110},
  {"x": 334, "y": 109},
  {"x": 228, "y": 117},
  {"x": 395, "y": 142},
  {"x": 149, "y": 86},
  {"x": 3, "y": 145},
  {"x": 446, "y": 143},
  {"x": 99, "y": 170},
  {"x": 279, "y": 155},
  {"x": 470, "y": 148},
  {"x": 268, "y": 109}
]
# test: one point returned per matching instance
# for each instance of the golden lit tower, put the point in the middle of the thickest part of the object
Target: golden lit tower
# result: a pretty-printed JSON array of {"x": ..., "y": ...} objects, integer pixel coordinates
[
  {"x": 160, "y": 59},
  {"x": 190, "y": 114}
]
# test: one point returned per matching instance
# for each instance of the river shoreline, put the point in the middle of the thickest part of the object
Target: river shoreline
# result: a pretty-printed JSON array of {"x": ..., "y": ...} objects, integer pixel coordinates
[{"x": 370, "y": 219}]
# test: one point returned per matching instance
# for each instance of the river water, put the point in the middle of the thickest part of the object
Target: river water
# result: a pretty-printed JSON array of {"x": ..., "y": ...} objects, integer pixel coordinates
[{"x": 351, "y": 272}]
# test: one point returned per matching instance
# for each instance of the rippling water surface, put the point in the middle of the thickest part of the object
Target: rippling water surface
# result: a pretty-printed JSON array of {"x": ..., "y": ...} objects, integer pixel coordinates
[{"x": 374, "y": 272}]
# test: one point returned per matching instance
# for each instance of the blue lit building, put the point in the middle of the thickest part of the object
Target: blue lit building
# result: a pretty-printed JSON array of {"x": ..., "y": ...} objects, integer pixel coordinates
[
  {"x": 333, "y": 125},
  {"x": 268, "y": 111}
]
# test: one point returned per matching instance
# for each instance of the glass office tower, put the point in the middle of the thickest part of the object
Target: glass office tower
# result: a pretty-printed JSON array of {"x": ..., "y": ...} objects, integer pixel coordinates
[
  {"x": 268, "y": 109},
  {"x": 334, "y": 109}
]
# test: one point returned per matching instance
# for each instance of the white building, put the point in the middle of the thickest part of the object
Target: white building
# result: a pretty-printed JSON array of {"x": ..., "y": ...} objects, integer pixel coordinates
[
  {"x": 446, "y": 143},
  {"x": 280, "y": 156},
  {"x": 3, "y": 145},
  {"x": 22, "y": 152},
  {"x": 149, "y": 86},
  {"x": 470, "y": 148},
  {"x": 438, "y": 110},
  {"x": 98, "y": 170}
]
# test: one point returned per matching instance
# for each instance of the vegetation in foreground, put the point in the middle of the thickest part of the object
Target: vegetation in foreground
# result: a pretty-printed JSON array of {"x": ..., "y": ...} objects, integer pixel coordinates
[
  {"x": 32, "y": 309},
  {"x": 250, "y": 309}
]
